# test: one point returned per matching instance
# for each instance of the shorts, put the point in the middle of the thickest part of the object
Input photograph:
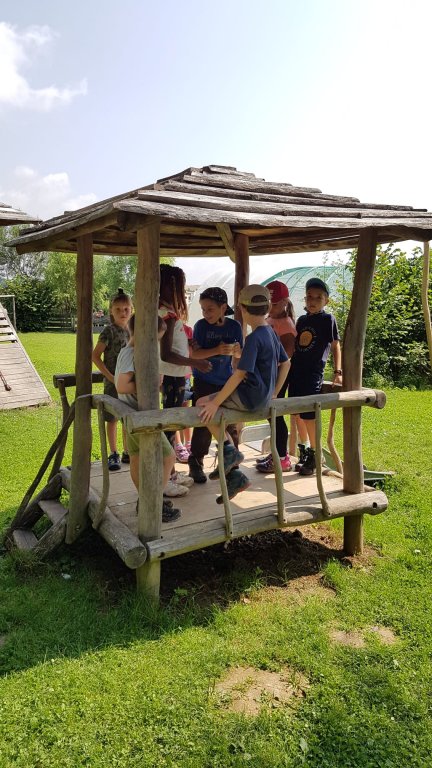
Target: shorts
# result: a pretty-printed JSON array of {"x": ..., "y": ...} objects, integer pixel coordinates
[
  {"x": 133, "y": 445},
  {"x": 234, "y": 402},
  {"x": 301, "y": 386},
  {"x": 109, "y": 389}
]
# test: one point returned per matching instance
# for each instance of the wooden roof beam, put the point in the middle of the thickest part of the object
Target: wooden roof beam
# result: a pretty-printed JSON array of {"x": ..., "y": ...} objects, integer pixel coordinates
[{"x": 227, "y": 238}]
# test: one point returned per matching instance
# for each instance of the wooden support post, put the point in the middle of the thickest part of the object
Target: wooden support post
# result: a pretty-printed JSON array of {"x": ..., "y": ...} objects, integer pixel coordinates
[
  {"x": 425, "y": 298},
  {"x": 147, "y": 379},
  {"x": 352, "y": 357},
  {"x": 241, "y": 245},
  {"x": 82, "y": 439}
]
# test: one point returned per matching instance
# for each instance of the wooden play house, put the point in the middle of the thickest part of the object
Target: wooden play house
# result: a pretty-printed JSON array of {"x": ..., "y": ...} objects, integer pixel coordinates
[{"x": 211, "y": 211}]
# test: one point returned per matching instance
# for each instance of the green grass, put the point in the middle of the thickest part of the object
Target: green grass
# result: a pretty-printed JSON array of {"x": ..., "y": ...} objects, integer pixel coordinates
[{"x": 92, "y": 676}]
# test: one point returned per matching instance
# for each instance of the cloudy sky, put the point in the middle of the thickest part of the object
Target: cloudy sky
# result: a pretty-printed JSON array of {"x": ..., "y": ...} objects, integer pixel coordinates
[{"x": 100, "y": 97}]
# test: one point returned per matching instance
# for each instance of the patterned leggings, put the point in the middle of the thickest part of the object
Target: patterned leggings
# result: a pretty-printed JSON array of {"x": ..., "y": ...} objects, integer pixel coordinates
[{"x": 173, "y": 393}]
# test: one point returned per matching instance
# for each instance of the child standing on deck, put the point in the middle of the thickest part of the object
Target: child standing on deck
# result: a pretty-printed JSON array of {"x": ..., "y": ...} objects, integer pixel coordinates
[
  {"x": 174, "y": 353},
  {"x": 111, "y": 340},
  {"x": 126, "y": 387},
  {"x": 217, "y": 338},
  {"x": 260, "y": 374},
  {"x": 317, "y": 334},
  {"x": 282, "y": 320}
]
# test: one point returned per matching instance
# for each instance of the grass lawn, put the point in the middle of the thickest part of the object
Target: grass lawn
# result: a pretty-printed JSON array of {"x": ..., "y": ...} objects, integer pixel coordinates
[{"x": 92, "y": 676}]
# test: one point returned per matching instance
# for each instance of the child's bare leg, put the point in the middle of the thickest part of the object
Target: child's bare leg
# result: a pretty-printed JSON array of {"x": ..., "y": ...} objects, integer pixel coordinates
[
  {"x": 302, "y": 430},
  {"x": 111, "y": 429},
  {"x": 310, "y": 426},
  {"x": 168, "y": 464},
  {"x": 124, "y": 433},
  {"x": 292, "y": 436}
]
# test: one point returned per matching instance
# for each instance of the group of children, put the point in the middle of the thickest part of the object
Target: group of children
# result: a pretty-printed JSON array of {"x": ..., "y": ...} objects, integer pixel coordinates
[{"x": 244, "y": 374}]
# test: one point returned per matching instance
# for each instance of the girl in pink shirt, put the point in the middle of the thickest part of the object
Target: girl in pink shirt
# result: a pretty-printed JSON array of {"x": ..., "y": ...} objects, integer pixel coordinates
[{"x": 282, "y": 320}]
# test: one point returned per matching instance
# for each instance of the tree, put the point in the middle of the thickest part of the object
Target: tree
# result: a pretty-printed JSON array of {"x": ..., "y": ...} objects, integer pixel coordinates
[
  {"x": 33, "y": 300},
  {"x": 396, "y": 348},
  {"x": 60, "y": 279},
  {"x": 13, "y": 264}
]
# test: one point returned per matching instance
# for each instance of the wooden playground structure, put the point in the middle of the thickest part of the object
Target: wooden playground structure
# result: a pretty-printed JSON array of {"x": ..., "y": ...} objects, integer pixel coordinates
[
  {"x": 211, "y": 211},
  {"x": 20, "y": 383}
]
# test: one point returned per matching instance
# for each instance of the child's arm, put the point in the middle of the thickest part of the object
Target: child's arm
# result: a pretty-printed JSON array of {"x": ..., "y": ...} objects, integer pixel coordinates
[
  {"x": 220, "y": 349},
  {"x": 169, "y": 356},
  {"x": 209, "y": 409},
  {"x": 288, "y": 343},
  {"x": 337, "y": 361},
  {"x": 99, "y": 363},
  {"x": 282, "y": 374},
  {"x": 126, "y": 384}
]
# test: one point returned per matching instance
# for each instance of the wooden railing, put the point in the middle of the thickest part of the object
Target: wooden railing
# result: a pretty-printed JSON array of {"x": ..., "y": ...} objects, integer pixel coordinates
[{"x": 173, "y": 419}]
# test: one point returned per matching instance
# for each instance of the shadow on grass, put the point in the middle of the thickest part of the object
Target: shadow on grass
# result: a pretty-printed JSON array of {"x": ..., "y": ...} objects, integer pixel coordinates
[{"x": 83, "y": 599}]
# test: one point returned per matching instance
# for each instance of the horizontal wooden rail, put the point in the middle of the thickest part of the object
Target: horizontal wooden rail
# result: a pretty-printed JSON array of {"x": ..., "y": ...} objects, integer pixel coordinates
[
  {"x": 69, "y": 379},
  {"x": 179, "y": 418}
]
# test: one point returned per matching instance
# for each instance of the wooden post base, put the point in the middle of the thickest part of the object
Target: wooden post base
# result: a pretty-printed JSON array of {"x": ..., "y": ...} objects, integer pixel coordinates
[
  {"x": 148, "y": 580},
  {"x": 353, "y": 535}
]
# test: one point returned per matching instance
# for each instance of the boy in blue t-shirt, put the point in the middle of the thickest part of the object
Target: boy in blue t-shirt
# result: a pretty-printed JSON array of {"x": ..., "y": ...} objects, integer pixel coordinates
[
  {"x": 317, "y": 334},
  {"x": 216, "y": 338},
  {"x": 260, "y": 373}
]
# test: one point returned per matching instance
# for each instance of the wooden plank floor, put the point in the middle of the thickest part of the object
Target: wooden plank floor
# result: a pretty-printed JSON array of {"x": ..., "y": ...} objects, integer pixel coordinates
[{"x": 203, "y": 521}]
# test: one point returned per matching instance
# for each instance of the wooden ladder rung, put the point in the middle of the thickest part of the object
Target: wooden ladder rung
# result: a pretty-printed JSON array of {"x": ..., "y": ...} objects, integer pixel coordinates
[
  {"x": 53, "y": 509},
  {"x": 24, "y": 538}
]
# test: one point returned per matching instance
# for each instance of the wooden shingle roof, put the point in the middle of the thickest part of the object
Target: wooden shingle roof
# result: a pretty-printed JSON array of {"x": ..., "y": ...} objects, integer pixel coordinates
[
  {"x": 9, "y": 216},
  {"x": 202, "y": 209}
]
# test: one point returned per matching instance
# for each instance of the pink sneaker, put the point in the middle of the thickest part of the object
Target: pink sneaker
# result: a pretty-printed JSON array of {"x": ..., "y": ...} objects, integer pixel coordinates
[
  {"x": 267, "y": 467},
  {"x": 182, "y": 454}
]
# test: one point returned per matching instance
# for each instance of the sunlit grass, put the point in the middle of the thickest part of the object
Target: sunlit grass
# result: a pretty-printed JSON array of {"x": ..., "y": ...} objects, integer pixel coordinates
[{"x": 92, "y": 676}]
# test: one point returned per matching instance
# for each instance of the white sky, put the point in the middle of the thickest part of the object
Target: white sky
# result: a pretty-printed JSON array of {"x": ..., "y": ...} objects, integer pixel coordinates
[{"x": 98, "y": 98}]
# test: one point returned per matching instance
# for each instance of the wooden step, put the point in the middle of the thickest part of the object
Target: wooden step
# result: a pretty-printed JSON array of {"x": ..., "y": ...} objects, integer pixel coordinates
[
  {"x": 24, "y": 538},
  {"x": 53, "y": 509}
]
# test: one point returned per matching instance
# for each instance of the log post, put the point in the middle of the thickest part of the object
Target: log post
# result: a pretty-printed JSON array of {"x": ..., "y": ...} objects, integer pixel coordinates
[
  {"x": 425, "y": 298},
  {"x": 352, "y": 364},
  {"x": 82, "y": 435},
  {"x": 241, "y": 245},
  {"x": 147, "y": 379}
]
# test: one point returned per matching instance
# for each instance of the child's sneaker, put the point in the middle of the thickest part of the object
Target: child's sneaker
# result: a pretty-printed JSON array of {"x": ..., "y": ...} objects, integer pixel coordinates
[
  {"x": 196, "y": 471},
  {"x": 308, "y": 467},
  {"x": 232, "y": 457},
  {"x": 114, "y": 462},
  {"x": 182, "y": 479},
  {"x": 169, "y": 513},
  {"x": 302, "y": 457},
  {"x": 125, "y": 459},
  {"x": 182, "y": 454},
  {"x": 236, "y": 483},
  {"x": 175, "y": 489},
  {"x": 263, "y": 459},
  {"x": 266, "y": 467}
]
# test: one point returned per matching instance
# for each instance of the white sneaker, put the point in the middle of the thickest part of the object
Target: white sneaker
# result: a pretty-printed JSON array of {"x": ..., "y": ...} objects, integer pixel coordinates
[
  {"x": 175, "y": 489},
  {"x": 181, "y": 478}
]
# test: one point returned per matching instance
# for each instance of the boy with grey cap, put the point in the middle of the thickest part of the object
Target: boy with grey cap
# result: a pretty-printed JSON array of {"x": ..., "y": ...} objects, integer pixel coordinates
[
  {"x": 317, "y": 334},
  {"x": 260, "y": 373}
]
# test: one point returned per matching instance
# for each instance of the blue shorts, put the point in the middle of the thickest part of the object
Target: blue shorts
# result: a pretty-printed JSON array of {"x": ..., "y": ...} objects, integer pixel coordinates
[{"x": 301, "y": 385}]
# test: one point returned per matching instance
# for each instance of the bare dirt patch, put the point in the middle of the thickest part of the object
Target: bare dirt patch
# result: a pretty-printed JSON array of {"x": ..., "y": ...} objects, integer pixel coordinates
[
  {"x": 357, "y": 638},
  {"x": 248, "y": 690},
  {"x": 384, "y": 634},
  {"x": 351, "y": 638}
]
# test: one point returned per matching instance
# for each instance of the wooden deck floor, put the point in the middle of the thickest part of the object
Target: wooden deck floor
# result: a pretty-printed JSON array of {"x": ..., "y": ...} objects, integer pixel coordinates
[{"x": 203, "y": 521}]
